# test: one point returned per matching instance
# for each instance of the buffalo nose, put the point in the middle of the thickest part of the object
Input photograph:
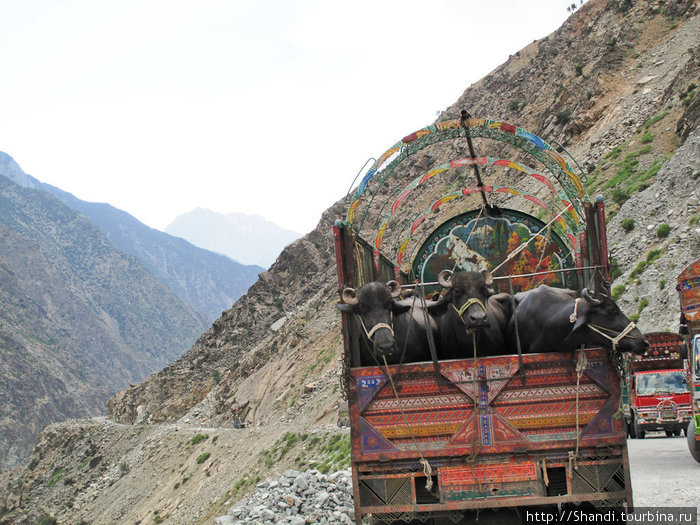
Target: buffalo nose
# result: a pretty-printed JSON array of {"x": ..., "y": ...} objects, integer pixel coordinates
[
  {"x": 385, "y": 348},
  {"x": 477, "y": 317}
]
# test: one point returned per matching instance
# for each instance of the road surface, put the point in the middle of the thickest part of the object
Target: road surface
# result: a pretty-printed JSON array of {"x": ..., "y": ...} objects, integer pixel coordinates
[{"x": 663, "y": 472}]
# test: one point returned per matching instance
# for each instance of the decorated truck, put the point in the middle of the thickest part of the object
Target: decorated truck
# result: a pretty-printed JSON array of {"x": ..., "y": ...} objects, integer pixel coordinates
[
  {"x": 450, "y": 439},
  {"x": 689, "y": 293},
  {"x": 659, "y": 394}
]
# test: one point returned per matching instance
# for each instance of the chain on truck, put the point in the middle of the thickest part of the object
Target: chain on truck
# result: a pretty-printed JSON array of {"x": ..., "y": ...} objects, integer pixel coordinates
[{"x": 459, "y": 439}]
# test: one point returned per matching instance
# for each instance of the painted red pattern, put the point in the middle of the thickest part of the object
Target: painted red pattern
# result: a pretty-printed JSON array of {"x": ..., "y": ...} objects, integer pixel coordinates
[
  {"x": 418, "y": 418},
  {"x": 516, "y": 396},
  {"x": 563, "y": 407},
  {"x": 409, "y": 388},
  {"x": 508, "y": 128},
  {"x": 419, "y": 403},
  {"x": 455, "y": 476}
]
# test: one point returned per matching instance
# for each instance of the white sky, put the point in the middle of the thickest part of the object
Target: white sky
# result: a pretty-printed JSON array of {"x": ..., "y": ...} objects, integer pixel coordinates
[{"x": 256, "y": 106}]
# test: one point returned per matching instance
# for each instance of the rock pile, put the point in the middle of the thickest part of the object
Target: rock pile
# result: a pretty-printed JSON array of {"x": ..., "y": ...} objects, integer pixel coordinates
[{"x": 296, "y": 498}]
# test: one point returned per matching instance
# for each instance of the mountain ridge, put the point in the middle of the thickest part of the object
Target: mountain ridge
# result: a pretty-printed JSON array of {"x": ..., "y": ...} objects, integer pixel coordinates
[{"x": 206, "y": 281}]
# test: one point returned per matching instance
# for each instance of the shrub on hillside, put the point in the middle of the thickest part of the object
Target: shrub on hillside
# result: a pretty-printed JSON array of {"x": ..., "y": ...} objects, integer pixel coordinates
[
  {"x": 627, "y": 225},
  {"x": 663, "y": 230},
  {"x": 617, "y": 292},
  {"x": 619, "y": 196}
]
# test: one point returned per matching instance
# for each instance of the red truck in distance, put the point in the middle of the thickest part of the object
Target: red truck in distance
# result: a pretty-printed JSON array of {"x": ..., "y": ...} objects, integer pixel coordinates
[{"x": 659, "y": 394}]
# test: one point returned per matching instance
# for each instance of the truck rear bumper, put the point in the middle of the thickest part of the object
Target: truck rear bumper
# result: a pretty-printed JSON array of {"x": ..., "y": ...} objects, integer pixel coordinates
[{"x": 484, "y": 484}]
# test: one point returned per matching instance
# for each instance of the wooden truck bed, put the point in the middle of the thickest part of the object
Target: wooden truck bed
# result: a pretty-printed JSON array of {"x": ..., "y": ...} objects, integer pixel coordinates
[{"x": 491, "y": 439}]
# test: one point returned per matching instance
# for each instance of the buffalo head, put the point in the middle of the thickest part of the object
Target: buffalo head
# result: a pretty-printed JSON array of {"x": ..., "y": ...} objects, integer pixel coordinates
[
  {"x": 465, "y": 297},
  {"x": 609, "y": 325},
  {"x": 375, "y": 304}
]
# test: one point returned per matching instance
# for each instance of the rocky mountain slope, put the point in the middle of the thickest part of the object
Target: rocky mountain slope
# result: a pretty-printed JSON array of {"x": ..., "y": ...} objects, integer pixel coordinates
[
  {"x": 208, "y": 282},
  {"x": 616, "y": 85},
  {"x": 237, "y": 235},
  {"x": 79, "y": 319}
]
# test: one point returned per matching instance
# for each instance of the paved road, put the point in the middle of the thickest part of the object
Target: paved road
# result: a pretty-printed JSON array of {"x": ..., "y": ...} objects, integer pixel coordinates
[{"x": 663, "y": 472}]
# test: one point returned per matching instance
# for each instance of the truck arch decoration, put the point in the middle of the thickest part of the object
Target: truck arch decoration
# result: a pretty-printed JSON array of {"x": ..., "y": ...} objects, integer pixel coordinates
[{"x": 476, "y": 127}]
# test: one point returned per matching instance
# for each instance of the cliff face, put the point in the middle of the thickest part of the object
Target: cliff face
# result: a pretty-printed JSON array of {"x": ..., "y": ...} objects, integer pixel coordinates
[{"x": 616, "y": 86}]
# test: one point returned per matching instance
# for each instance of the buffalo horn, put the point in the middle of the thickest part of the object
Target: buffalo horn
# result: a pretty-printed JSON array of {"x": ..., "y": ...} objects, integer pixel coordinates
[
  {"x": 395, "y": 288},
  {"x": 349, "y": 296},
  {"x": 443, "y": 278},
  {"x": 587, "y": 296},
  {"x": 488, "y": 278}
]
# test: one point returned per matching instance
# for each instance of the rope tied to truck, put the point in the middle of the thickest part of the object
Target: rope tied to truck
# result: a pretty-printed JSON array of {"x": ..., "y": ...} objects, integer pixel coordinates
[
  {"x": 427, "y": 469},
  {"x": 581, "y": 365},
  {"x": 476, "y": 443},
  {"x": 524, "y": 244},
  {"x": 420, "y": 291},
  {"x": 521, "y": 365}
]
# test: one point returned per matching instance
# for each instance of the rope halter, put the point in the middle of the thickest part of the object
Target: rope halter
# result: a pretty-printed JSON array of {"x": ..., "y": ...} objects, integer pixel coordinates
[
  {"x": 375, "y": 328},
  {"x": 460, "y": 311},
  {"x": 596, "y": 328},
  {"x": 615, "y": 340}
]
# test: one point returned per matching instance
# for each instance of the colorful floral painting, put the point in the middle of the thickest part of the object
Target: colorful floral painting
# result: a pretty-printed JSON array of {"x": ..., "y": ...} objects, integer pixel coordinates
[{"x": 471, "y": 242}]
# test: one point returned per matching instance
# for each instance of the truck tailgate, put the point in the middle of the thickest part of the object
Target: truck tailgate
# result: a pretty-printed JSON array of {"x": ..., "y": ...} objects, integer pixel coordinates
[{"x": 487, "y": 433}]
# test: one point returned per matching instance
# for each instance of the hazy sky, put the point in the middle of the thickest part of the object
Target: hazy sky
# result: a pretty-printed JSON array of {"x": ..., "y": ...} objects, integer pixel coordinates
[{"x": 267, "y": 107}]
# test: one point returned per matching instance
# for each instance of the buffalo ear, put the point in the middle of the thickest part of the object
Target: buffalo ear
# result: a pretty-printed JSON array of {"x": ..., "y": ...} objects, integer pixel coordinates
[
  {"x": 346, "y": 308},
  {"x": 437, "y": 307},
  {"x": 580, "y": 323},
  {"x": 488, "y": 278},
  {"x": 399, "y": 307}
]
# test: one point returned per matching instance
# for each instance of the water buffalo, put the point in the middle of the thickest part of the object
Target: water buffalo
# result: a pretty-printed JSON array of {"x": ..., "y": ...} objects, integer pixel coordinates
[
  {"x": 555, "y": 320},
  {"x": 470, "y": 304},
  {"x": 389, "y": 327}
]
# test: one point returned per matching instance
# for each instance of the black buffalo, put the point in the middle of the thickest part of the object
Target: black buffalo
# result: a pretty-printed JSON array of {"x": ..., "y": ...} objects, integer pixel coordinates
[
  {"x": 547, "y": 323},
  {"x": 470, "y": 304},
  {"x": 389, "y": 327}
]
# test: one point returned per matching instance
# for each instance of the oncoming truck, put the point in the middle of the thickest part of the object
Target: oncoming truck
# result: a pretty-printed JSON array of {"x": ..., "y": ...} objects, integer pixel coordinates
[
  {"x": 457, "y": 439},
  {"x": 659, "y": 394}
]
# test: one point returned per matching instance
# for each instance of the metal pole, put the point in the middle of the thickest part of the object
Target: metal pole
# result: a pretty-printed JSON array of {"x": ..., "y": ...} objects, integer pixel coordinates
[{"x": 463, "y": 123}]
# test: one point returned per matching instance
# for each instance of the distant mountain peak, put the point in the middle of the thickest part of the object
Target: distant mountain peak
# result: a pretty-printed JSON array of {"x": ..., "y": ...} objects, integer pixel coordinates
[{"x": 246, "y": 238}]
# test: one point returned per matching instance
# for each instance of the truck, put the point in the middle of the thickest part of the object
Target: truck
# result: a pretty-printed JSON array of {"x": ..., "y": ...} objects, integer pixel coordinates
[
  {"x": 457, "y": 440},
  {"x": 689, "y": 294},
  {"x": 659, "y": 393}
]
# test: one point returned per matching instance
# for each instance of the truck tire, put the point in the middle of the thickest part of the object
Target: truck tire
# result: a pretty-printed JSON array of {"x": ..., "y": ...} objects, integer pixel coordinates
[
  {"x": 693, "y": 445},
  {"x": 638, "y": 432},
  {"x": 630, "y": 427},
  {"x": 669, "y": 433},
  {"x": 677, "y": 432}
]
